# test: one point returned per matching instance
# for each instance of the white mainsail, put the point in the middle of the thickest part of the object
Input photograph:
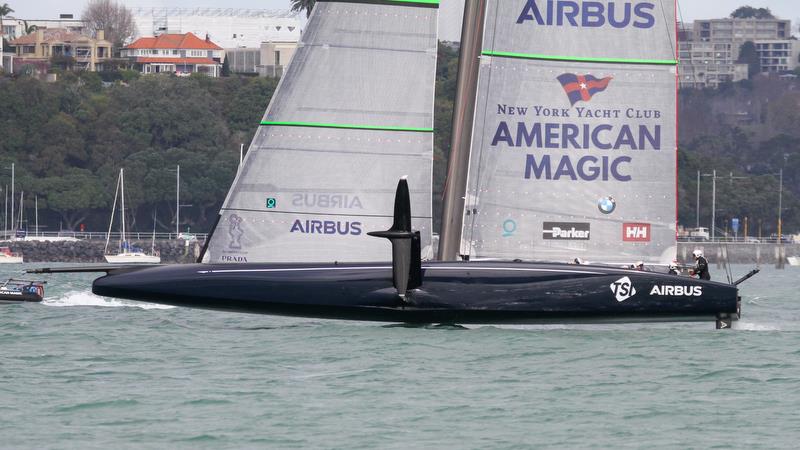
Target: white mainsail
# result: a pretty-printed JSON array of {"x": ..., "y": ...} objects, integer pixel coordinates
[
  {"x": 352, "y": 114},
  {"x": 574, "y": 140}
]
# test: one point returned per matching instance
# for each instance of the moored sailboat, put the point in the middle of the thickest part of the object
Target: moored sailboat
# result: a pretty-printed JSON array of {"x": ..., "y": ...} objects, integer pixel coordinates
[
  {"x": 128, "y": 254},
  {"x": 273, "y": 251}
]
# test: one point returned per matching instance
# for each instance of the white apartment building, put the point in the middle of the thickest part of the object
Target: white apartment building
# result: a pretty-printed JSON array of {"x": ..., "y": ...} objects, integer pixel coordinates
[
  {"x": 707, "y": 64},
  {"x": 739, "y": 31},
  {"x": 778, "y": 55},
  {"x": 270, "y": 60}
]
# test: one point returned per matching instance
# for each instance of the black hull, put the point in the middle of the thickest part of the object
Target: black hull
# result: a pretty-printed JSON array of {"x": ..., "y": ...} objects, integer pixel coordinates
[
  {"x": 19, "y": 298},
  {"x": 454, "y": 293}
]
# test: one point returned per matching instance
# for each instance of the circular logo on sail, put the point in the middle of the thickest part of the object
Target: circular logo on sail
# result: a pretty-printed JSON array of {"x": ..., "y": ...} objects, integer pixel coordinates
[
  {"x": 509, "y": 227},
  {"x": 607, "y": 205}
]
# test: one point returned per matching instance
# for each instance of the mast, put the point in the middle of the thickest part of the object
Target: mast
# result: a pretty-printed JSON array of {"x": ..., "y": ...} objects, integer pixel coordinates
[
  {"x": 463, "y": 114},
  {"x": 111, "y": 222},
  {"x": 21, "y": 199},
  {"x": 36, "y": 212},
  {"x": 122, "y": 210},
  {"x": 153, "y": 244},
  {"x": 12, "y": 196},
  {"x": 178, "y": 202}
]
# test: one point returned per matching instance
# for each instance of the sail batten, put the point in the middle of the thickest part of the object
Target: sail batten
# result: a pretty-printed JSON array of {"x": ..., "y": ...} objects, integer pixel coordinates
[
  {"x": 346, "y": 126},
  {"x": 574, "y": 136},
  {"x": 351, "y": 115},
  {"x": 666, "y": 62}
]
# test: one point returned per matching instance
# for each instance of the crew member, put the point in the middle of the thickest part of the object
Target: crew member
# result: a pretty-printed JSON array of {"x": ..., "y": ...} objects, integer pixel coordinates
[
  {"x": 673, "y": 268},
  {"x": 700, "y": 265}
]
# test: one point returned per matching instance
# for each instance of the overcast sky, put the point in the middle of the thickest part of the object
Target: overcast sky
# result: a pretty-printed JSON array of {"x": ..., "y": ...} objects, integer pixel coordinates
[{"x": 451, "y": 9}]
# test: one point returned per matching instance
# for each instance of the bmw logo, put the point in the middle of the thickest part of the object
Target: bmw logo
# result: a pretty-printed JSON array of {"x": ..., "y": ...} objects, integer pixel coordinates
[{"x": 607, "y": 205}]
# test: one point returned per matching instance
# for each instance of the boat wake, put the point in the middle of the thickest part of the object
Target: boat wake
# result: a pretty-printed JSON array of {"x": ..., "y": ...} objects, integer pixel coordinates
[
  {"x": 750, "y": 326},
  {"x": 82, "y": 298}
]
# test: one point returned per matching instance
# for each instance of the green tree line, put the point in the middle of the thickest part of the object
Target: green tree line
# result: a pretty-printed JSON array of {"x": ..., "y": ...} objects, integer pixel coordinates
[{"x": 69, "y": 139}]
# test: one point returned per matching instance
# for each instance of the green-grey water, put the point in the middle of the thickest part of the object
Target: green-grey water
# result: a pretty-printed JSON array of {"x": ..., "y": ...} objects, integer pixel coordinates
[{"x": 81, "y": 371}]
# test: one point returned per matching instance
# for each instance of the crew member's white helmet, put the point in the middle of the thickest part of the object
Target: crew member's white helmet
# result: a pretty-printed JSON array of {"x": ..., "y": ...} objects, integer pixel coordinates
[
  {"x": 697, "y": 253},
  {"x": 674, "y": 264}
]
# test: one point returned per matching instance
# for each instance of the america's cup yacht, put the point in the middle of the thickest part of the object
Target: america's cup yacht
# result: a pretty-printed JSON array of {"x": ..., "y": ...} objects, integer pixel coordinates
[{"x": 565, "y": 147}]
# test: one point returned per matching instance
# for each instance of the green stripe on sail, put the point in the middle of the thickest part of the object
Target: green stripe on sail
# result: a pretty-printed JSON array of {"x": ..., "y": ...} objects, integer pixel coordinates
[
  {"x": 426, "y": 3},
  {"x": 345, "y": 126},
  {"x": 661, "y": 62}
]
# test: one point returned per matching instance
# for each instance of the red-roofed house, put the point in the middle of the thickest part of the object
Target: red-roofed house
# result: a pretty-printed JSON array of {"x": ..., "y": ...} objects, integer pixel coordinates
[{"x": 181, "y": 54}]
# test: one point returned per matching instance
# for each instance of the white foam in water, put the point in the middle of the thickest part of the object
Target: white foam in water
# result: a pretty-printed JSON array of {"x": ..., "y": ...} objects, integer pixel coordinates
[
  {"x": 82, "y": 298},
  {"x": 750, "y": 326}
]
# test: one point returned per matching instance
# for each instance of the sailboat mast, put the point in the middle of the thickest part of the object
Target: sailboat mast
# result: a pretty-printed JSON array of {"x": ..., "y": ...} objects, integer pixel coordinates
[
  {"x": 463, "y": 113},
  {"x": 21, "y": 199},
  {"x": 111, "y": 222},
  {"x": 13, "y": 218},
  {"x": 153, "y": 244},
  {"x": 122, "y": 211}
]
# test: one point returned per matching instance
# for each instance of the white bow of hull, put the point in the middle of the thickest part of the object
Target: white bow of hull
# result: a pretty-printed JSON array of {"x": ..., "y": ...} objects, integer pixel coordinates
[{"x": 132, "y": 258}]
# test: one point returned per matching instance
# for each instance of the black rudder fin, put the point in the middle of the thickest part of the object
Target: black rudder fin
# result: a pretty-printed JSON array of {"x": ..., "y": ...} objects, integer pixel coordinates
[{"x": 406, "y": 251}]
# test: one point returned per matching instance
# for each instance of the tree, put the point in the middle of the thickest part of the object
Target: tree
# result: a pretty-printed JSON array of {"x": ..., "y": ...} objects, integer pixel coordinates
[
  {"x": 748, "y": 12},
  {"x": 29, "y": 28},
  {"x": 749, "y": 55},
  {"x": 300, "y": 5},
  {"x": 226, "y": 68},
  {"x": 4, "y": 11},
  {"x": 114, "y": 19}
]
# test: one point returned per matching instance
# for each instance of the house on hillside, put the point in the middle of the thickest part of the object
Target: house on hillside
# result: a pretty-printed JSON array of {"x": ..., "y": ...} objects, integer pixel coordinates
[
  {"x": 45, "y": 47},
  {"x": 270, "y": 60},
  {"x": 181, "y": 54}
]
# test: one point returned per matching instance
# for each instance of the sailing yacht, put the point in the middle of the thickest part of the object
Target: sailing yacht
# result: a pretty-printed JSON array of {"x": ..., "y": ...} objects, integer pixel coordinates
[
  {"x": 127, "y": 254},
  {"x": 9, "y": 257},
  {"x": 569, "y": 154}
]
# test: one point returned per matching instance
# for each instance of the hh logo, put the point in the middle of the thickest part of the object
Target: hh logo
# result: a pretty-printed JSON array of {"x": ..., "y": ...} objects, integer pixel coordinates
[
  {"x": 623, "y": 289},
  {"x": 636, "y": 232}
]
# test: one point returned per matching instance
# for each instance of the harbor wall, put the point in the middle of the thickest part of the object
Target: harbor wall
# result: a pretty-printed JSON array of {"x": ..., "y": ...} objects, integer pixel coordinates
[
  {"x": 739, "y": 253},
  {"x": 177, "y": 251},
  {"x": 92, "y": 251}
]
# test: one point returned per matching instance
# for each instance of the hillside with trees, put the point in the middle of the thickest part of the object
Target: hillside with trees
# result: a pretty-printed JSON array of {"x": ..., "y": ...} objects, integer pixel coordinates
[{"x": 69, "y": 139}]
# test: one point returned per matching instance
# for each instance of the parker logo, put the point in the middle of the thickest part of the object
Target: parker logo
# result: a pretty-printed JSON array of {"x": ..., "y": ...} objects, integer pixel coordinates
[
  {"x": 561, "y": 231},
  {"x": 623, "y": 289},
  {"x": 677, "y": 291},
  {"x": 636, "y": 232}
]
